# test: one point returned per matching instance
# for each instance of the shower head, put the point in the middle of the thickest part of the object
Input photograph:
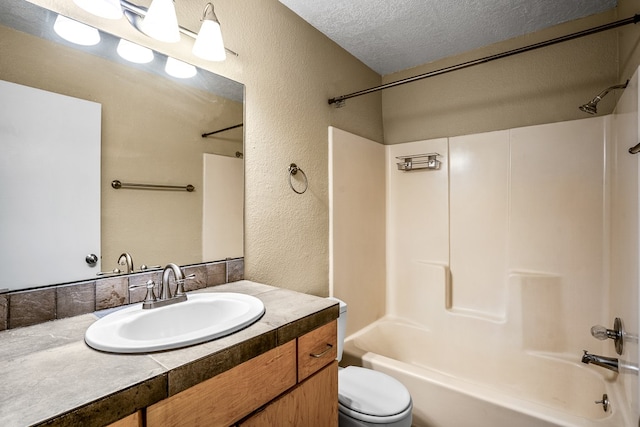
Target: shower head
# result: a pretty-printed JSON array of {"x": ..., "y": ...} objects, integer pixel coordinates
[{"x": 591, "y": 107}]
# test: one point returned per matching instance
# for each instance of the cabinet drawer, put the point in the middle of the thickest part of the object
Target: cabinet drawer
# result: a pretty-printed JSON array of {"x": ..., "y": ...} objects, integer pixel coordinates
[
  {"x": 226, "y": 398},
  {"x": 316, "y": 349}
]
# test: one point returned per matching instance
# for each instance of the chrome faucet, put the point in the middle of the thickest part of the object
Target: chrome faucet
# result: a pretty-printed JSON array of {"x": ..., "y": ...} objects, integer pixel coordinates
[
  {"x": 610, "y": 363},
  {"x": 166, "y": 297},
  {"x": 165, "y": 292},
  {"x": 126, "y": 260}
]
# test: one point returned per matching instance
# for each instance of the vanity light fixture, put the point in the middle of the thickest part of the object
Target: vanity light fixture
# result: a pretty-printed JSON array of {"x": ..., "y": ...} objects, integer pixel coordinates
[
  {"x": 76, "y": 32},
  {"x": 134, "y": 52},
  {"x": 161, "y": 22},
  {"x": 179, "y": 69},
  {"x": 209, "y": 45},
  {"x": 109, "y": 9}
]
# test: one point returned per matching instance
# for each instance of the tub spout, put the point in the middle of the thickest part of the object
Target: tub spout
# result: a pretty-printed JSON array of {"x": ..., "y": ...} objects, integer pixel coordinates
[{"x": 605, "y": 362}]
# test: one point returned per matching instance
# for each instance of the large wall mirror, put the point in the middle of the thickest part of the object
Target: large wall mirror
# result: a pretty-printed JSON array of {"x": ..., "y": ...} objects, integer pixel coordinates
[{"x": 151, "y": 133}]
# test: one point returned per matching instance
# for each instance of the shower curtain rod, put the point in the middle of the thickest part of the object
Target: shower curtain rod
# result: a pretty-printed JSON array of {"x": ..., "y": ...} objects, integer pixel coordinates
[
  {"x": 204, "y": 135},
  {"x": 339, "y": 100}
]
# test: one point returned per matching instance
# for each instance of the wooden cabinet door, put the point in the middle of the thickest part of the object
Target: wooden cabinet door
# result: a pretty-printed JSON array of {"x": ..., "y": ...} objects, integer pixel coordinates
[
  {"x": 230, "y": 396},
  {"x": 133, "y": 420},
  {"x": 313, "y": 403}
]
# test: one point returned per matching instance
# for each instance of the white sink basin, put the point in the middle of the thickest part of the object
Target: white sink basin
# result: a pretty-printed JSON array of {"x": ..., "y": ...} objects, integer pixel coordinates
[{"x": 201, "y": 318}]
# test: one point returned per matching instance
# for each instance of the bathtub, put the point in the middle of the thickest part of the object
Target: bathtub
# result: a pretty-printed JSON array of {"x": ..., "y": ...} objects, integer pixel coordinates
[{"x": 451, "y": 387}]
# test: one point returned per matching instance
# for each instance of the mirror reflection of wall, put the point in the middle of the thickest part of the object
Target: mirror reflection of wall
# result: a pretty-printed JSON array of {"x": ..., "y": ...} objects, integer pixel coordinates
[{"x": 151, "y": 133}]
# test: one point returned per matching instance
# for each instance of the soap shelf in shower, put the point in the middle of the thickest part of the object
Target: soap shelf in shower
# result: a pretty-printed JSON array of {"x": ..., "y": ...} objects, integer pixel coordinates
[{"x": 419, "y": 161}]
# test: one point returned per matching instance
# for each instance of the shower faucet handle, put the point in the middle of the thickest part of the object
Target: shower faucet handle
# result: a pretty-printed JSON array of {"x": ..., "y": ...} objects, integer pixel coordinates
[
  {"x": 599, "y": 332},
  {"x": 616, "y": 334}
]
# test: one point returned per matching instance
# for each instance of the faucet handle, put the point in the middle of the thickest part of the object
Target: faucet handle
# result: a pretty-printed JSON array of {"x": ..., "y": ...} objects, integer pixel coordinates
[
  {"x": 150, "y": 295},
  {"x": 145, "y": 267},
  {"x": 599, "y": 332},
  {"x": 105, "y": 273},
  {"x": 180, "y": 284},
  {"x": 616, "y": 334}
]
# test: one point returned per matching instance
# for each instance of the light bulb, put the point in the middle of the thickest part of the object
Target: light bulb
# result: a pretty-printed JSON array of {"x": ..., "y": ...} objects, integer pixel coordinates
[
  {"x": 76, "y": 32},
  {"x": 161, "y": 22},
  {"x": 179, "y": 69},
  {"x": 209, "y": 44},
  {"x": 134, "y": 52}
]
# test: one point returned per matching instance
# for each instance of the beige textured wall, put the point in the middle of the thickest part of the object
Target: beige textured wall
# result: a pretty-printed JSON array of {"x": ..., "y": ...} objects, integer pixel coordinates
[
  {"x": 290, "y": 70},
  {"x": 542, "y": 86}
]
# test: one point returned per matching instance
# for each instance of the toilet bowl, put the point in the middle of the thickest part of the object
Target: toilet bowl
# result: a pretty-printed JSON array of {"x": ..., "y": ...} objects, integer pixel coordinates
[{"x": 368, "y": 398}]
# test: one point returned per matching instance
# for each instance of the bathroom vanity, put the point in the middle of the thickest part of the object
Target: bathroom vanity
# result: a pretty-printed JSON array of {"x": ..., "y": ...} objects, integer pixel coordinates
[
  {"x": 279, "y": 371},
  {"x": 283, "y": 371}
]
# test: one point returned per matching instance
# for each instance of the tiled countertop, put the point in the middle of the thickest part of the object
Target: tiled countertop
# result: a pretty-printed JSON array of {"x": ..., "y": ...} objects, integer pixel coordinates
[{"x": 49, "y": 376}]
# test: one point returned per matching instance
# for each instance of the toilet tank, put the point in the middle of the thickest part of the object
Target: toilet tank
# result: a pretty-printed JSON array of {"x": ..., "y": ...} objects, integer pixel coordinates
[{"x": 342, "y": 325}]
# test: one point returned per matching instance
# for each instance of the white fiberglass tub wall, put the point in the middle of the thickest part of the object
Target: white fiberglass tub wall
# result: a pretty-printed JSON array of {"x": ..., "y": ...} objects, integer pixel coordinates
[
  {"x": 624, "y": 237},
  {"x": 522, "y": 207},
  {"x": 497, "y": 266},
  {"x": 520, "y": 273}
]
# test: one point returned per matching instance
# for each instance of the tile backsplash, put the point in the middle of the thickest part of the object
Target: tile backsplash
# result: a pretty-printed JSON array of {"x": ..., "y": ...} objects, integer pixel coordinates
[{"x": 30, "y": 307}]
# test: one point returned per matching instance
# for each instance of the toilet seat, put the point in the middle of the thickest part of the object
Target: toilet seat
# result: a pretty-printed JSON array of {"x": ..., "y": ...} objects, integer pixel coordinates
[{"x": 371, "y": 396}]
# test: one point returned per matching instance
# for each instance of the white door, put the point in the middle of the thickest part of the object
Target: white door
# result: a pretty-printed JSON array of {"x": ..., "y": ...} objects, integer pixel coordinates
[
  {"x": 49, "y": 186},
  {"x": 223, "y": 212}
]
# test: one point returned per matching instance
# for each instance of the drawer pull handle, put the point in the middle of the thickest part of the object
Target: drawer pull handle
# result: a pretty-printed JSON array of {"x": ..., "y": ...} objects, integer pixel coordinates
[{"x": 319, "y": 355}]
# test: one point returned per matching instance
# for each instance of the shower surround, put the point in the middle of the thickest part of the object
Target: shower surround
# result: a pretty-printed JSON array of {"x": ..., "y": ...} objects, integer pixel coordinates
[
  {"x": 497, "y": 265},
  {"x": 511, "y": 212}
]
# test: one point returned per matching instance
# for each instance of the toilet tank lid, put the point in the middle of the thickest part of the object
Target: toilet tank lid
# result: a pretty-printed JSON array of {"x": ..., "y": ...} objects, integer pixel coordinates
[
  {"x": 372, "y": 393},
  {"x": 343, "y": 305}
]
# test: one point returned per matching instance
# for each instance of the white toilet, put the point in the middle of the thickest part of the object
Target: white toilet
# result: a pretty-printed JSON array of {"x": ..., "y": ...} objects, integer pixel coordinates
[{"x": 367, "y": 397}]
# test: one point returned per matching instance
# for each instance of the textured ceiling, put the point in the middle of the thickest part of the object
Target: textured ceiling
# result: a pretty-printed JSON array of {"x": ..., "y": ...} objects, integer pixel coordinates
[{"x": 390, "y": 36}]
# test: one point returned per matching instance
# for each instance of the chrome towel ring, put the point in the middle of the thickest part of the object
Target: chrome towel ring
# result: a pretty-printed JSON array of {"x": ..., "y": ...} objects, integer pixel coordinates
[{"x": 294, "y": 169}]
